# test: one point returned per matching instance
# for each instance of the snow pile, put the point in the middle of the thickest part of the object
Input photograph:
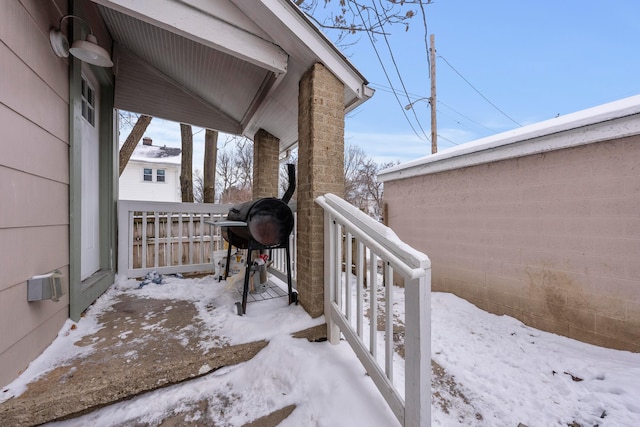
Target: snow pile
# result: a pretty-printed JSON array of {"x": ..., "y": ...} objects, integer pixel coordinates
[{"x": 488, "y": 370}]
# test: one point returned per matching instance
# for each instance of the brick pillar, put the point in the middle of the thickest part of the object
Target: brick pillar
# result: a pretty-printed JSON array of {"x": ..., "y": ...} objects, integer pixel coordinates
[
  {"x": 266, "y": 148},
  {"x": 320, "y": 171}
]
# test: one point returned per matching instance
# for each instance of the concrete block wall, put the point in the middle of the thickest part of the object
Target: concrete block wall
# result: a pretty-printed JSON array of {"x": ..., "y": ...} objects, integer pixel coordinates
[
  {"x": 552, "y": 239},
  {"x": 266, "y": 149},
  {"x": 320, "y": 171}
]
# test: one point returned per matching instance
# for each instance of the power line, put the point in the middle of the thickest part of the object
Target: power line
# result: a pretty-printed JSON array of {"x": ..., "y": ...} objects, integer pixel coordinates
[
  {"x": 387, "y": 89},
  {"x": 426, "y": 32},
  {"x": 395, "y": 65},
  {"x": 382, "y": 88},
  {"x": 448, "y": 140},
  {"x": 387, "y": 76},
  {"x": 458, "y": 122},
  {"x": 479, "y": 93},
  {"x": 468, "y": 118}
]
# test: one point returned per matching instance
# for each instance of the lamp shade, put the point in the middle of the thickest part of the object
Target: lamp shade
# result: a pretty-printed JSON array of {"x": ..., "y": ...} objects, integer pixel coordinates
[{"x": 90, "y": 52}]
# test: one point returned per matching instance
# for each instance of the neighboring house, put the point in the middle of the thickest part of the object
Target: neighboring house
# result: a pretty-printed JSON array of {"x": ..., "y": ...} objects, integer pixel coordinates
[
  {"x": 152, "y": 173},
  {"x": 541, "y": 223},
  {"x": 258, "y": 68}
]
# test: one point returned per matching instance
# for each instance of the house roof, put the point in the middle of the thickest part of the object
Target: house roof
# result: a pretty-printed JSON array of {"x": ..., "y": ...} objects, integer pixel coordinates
[
  {"x": 229, "y": 65},
  {"x": 156, "y": 154},
  {"x": 613, "y": 120}
]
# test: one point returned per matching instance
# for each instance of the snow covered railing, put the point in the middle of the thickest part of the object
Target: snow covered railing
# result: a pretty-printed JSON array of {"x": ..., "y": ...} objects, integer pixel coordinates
[
  {"x": 345, "y": 301},
  {"x": 167, "y": 237}
]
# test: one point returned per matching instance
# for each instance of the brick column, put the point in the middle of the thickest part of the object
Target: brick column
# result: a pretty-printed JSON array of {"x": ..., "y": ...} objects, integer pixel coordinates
[
  {"x": 320, "y": 171},
  {"x": 266, "y": 148}
]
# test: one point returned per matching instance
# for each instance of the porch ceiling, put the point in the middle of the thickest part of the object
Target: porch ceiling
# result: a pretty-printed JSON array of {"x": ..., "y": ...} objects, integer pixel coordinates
[{"x": 229, "y": 65}]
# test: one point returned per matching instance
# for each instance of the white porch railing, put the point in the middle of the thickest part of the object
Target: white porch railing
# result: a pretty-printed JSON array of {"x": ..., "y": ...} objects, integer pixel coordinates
[
  {"x": 343, "y": 225},
  {"x": 279, "y": 257},
  {"x": 167, "y": 237}
]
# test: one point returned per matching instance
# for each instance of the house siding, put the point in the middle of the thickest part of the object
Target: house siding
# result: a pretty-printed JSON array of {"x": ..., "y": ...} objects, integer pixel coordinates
[
  {"x": 34, "y": 179},
  {"x": 552, "y": 239},
  {"x": 133, "y": 187}
]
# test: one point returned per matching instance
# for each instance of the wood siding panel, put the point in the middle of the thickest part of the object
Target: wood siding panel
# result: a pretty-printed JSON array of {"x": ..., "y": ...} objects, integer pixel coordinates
[
  {"x": 23, "y": 91},
  {"x": 35, "y": 151},
  {"x": 31, "y": 201},
  {"x": 17, "y": 357},
  {"x": 45, "y": 13},
  {"x": 26, "y": 252},
  {"x": 26, "y": 34},
  {"x": 34, "y": 178},
  {"x": 14, "y": 305}
]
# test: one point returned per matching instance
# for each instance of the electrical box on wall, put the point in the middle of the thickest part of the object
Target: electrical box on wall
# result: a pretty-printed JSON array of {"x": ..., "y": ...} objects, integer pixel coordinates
[{"x": 45, "y": 286}]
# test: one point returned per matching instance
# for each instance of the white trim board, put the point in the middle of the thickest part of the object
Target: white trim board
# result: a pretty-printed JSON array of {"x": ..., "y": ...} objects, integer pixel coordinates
[{"x": 614, "y": 120}]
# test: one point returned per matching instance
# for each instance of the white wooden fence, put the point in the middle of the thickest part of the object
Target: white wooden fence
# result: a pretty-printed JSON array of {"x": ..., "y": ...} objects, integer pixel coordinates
[
  {"x": 174, "y": 238},
  {"x": 345, "y": 224},
  {"x": 167, "y": 237}
]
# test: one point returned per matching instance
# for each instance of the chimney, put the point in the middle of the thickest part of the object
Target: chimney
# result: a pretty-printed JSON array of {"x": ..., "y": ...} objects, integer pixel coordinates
[{"x": 146, "y": 140}]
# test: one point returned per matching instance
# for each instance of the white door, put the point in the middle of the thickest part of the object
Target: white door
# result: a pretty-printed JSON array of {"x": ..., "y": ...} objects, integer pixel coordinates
[{"x": 90, "y": 173}]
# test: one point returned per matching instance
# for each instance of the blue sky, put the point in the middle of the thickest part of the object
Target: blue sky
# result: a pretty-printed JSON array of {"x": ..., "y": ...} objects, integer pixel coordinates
[{"x": 531, "y": 60}]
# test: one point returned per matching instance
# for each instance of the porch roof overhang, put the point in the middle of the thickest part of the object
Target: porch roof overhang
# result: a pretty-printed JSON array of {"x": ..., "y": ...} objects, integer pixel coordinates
[{"x": 229, "y": 65}]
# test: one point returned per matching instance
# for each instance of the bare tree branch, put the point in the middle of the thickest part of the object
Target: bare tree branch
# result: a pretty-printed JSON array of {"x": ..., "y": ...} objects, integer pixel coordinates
[
  {"x": 132, "y": 140},
  {"x": 244, "y": 163},
  {"x": 349, "y": 17},
  {"x": 198, "y": 186}
]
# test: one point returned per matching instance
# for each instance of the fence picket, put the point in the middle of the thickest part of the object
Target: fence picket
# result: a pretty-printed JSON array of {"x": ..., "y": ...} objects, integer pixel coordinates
[{"x": 155, "y": 229}]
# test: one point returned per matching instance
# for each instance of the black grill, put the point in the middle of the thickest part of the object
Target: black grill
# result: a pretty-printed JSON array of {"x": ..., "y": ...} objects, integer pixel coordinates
[{"x": 258, "y": 225}]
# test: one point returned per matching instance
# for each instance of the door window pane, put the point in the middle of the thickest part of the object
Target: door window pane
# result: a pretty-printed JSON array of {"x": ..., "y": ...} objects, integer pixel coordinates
[{"x": 88, "y": 102}]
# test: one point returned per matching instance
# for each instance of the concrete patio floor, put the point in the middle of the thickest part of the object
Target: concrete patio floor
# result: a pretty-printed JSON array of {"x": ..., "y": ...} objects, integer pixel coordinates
[{"x": 142, "y": 347}]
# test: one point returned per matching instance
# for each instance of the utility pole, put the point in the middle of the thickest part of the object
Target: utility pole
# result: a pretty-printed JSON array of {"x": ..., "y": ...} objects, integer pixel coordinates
[{"x": 432, "y": 100}]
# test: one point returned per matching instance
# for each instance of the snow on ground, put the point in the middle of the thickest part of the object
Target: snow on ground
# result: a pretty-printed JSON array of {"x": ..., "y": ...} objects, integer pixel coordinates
[
  {"x": 489, "y": 370},
  {"x": 512, "y": 373}
]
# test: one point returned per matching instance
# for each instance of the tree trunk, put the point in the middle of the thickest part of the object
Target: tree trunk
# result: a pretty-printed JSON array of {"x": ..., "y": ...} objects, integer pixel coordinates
[
  {"x": 210, "y": 159},
  {"x": 132, "y": 140},
  {"x": 186, "y": 174}
]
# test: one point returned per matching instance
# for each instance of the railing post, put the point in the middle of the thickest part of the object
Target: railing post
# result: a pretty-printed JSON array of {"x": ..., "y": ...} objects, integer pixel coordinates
[
  {"x": 348, "y": 262},
  {"x": 418, "y": 351},
  {"x": 360, "y": 285},
  {"x": 373, "y": 304},
  {"x": 333, "y": 331}
]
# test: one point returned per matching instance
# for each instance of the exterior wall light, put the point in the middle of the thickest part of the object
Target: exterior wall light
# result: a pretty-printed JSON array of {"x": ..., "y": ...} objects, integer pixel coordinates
[{"x": 85, "y": 50}]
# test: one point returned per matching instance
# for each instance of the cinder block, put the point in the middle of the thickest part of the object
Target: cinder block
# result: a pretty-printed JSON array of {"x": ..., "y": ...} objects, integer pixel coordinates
[{"x": 622, "y": 330}]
